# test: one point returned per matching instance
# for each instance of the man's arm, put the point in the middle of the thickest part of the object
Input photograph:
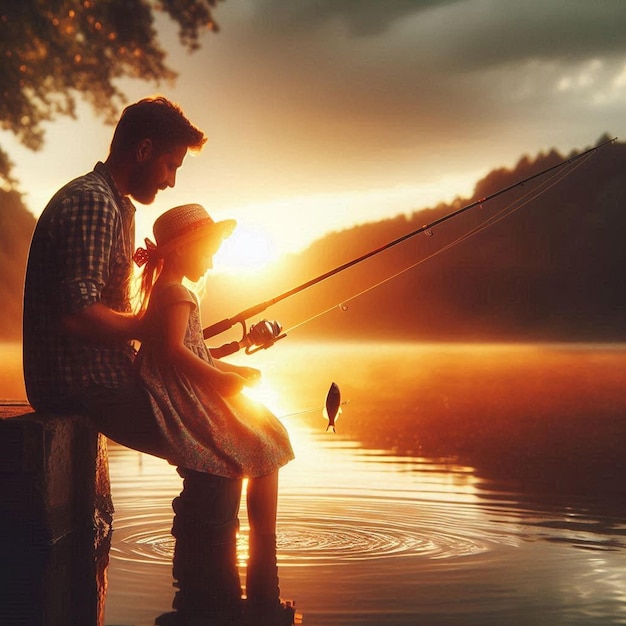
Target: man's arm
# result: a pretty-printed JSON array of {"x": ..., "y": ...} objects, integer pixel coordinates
[
  {"x": 92, "y": 232},
  {"x": 99, "y": 322}
]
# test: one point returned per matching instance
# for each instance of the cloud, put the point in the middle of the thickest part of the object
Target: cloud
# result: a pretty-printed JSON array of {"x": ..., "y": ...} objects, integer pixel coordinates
[
  {"x": 459, "y": 34},
  {"x": 490, "y": 32},
  {"x": 445, "y": 59},
  {"x": 339, "y": 94},
  {"x": 361, "y": 17}
]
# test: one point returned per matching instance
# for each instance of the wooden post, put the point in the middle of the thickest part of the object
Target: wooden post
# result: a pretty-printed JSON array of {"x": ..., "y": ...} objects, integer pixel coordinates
[{"x": 55, "y": 519}]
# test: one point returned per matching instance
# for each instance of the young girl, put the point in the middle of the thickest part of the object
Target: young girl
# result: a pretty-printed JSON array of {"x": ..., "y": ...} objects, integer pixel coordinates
[{"x": 214, "y": 434}]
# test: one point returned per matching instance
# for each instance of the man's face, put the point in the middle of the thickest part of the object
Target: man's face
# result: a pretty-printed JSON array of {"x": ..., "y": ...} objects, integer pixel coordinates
[{"x": 154, "y": 172}]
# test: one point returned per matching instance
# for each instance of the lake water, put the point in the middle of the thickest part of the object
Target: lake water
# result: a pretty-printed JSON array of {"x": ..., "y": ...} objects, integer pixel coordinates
[{"x": 466, "y": 485}]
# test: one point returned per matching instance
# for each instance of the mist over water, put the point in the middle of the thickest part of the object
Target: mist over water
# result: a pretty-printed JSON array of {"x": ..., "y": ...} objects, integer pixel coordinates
[{"x": 466, "y": 485}]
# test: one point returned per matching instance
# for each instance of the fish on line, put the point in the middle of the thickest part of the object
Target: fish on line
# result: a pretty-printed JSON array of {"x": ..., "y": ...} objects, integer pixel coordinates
[{"x": 332, "y": 406}]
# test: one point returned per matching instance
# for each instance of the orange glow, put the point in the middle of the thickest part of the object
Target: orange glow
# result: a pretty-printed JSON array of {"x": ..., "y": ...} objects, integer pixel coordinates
[
  {"x": 247, "y": 248},
  {"x": 267, "y": 394},
  {"x": 12, "y": 378}
]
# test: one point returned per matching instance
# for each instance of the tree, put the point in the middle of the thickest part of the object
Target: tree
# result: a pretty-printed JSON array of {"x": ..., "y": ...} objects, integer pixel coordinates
[{"x": 52, "y": 51}]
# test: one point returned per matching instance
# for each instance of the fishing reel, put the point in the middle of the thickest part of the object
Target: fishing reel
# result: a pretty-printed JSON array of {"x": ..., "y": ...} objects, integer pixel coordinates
[{"x": 261, "y": 336}]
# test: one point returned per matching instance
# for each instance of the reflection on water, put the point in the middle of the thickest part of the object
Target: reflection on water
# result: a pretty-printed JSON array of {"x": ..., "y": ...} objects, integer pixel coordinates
[
  {"x": 467, "y": 485},
  {"x": 370, "y": 533},
  {"x": 371, "y": 539}
]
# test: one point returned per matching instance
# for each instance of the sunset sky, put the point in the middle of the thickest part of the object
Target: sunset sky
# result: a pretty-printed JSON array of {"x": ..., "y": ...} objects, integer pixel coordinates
[{"x": 326, "y": 113}]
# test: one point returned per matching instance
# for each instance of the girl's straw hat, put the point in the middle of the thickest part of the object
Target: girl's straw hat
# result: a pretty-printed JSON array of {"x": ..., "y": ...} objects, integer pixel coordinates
[
  {"x": 188, "y": 222},
  {"x": 181, "y": 225}
]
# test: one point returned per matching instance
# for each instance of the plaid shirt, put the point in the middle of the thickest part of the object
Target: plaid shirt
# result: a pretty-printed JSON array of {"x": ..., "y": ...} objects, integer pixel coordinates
[{"x": 80, "y": 254}]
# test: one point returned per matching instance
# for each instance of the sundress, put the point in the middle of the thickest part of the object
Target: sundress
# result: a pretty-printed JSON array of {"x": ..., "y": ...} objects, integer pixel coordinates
[{"x": 232, "y": 436}]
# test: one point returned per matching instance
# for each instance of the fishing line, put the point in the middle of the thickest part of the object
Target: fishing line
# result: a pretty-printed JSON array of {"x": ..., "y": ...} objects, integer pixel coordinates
[
  {"x": 505, "y": 212},
  {"x": 317, "y": 409},
  {"x": 265, "y": 333}
]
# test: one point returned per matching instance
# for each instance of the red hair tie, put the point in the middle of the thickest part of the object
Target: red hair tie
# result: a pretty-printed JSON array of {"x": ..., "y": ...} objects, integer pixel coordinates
[{"x": 142, "y": 255}]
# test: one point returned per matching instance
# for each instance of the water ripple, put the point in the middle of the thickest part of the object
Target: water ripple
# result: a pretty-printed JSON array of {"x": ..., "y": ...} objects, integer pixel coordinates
[
  {"x": 331, "y": 530},
  {"x": 143, "y": 538},
  {"x": 344, "y": 541}
]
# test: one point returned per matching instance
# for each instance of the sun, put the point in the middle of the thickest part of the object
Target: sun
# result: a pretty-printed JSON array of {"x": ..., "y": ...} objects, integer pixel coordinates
[{"x": 247, "y": 249}]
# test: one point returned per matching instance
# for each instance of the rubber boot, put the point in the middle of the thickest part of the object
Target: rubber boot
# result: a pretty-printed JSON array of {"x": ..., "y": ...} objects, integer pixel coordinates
[
  {"x": 263, "y": 604},
  {"x": 206, "y": 575}
]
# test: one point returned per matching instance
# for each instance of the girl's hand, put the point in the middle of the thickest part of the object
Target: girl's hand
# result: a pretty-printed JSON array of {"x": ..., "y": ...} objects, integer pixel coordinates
[
  {"x": 251, "y": 375},
  {"x": 229, "y": 383}
]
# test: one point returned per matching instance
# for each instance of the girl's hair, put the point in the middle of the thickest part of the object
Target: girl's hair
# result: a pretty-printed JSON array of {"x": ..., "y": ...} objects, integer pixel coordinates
[{"x": 149, "y": 275}]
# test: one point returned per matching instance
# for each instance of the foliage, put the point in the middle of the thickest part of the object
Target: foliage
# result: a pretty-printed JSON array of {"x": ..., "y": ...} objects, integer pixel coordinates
[
  {"x": 6, "y": 180},
  {"x": 51, "y": 51}
]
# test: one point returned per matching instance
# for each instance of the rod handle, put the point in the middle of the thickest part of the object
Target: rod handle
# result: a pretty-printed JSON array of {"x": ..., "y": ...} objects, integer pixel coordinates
[
  {"x": 240, "y": 318},
  {"x": 225, "y": 350},
  {"x": 217, "y": 328}
]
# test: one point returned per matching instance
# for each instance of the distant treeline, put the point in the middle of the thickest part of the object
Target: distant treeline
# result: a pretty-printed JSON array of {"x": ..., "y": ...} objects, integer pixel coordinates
[
  {"x": 16, "y": 228},
  {"x": 554, "y": 270}
]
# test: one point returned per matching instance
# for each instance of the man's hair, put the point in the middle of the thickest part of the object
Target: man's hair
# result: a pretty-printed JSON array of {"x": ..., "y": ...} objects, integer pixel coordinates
[{"x": 159, "y": 120}]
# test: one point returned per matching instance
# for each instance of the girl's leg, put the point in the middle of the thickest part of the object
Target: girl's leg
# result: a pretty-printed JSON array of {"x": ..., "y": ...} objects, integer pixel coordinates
[
  {"x": 262, "y": 500},
  {"x": 262, "y": 588}
]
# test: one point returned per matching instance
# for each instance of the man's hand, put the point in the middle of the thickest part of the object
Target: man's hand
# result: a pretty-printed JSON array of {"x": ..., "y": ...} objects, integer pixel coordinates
[{"x": 98, "y": 322}]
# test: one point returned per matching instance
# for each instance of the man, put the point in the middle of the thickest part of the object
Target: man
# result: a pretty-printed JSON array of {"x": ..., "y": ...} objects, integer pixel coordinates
[
  {"x": 78, "y": 328},
  {"x": 77, "y": 319}
]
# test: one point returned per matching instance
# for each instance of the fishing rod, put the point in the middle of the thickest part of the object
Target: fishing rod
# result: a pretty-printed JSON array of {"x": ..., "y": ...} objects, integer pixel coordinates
[
  {"x": 265, "y": 333},
  {"x": 503, "y": 213}
]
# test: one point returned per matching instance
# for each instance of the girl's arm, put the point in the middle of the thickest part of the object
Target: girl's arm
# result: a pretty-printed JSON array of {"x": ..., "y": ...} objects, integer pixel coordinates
[
  {"x": 251, "y": 374},
  {"x": 176, "y": 317}
]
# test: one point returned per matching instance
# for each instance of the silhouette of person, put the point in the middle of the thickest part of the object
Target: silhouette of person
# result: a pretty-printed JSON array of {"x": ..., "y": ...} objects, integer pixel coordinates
[
  {"x": 79, "y": 326},
  {"x": 209, "y": 426}
]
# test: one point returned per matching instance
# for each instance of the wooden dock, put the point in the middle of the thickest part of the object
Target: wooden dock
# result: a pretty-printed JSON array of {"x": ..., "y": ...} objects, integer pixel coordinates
[{"x": 55, "y": 519}]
